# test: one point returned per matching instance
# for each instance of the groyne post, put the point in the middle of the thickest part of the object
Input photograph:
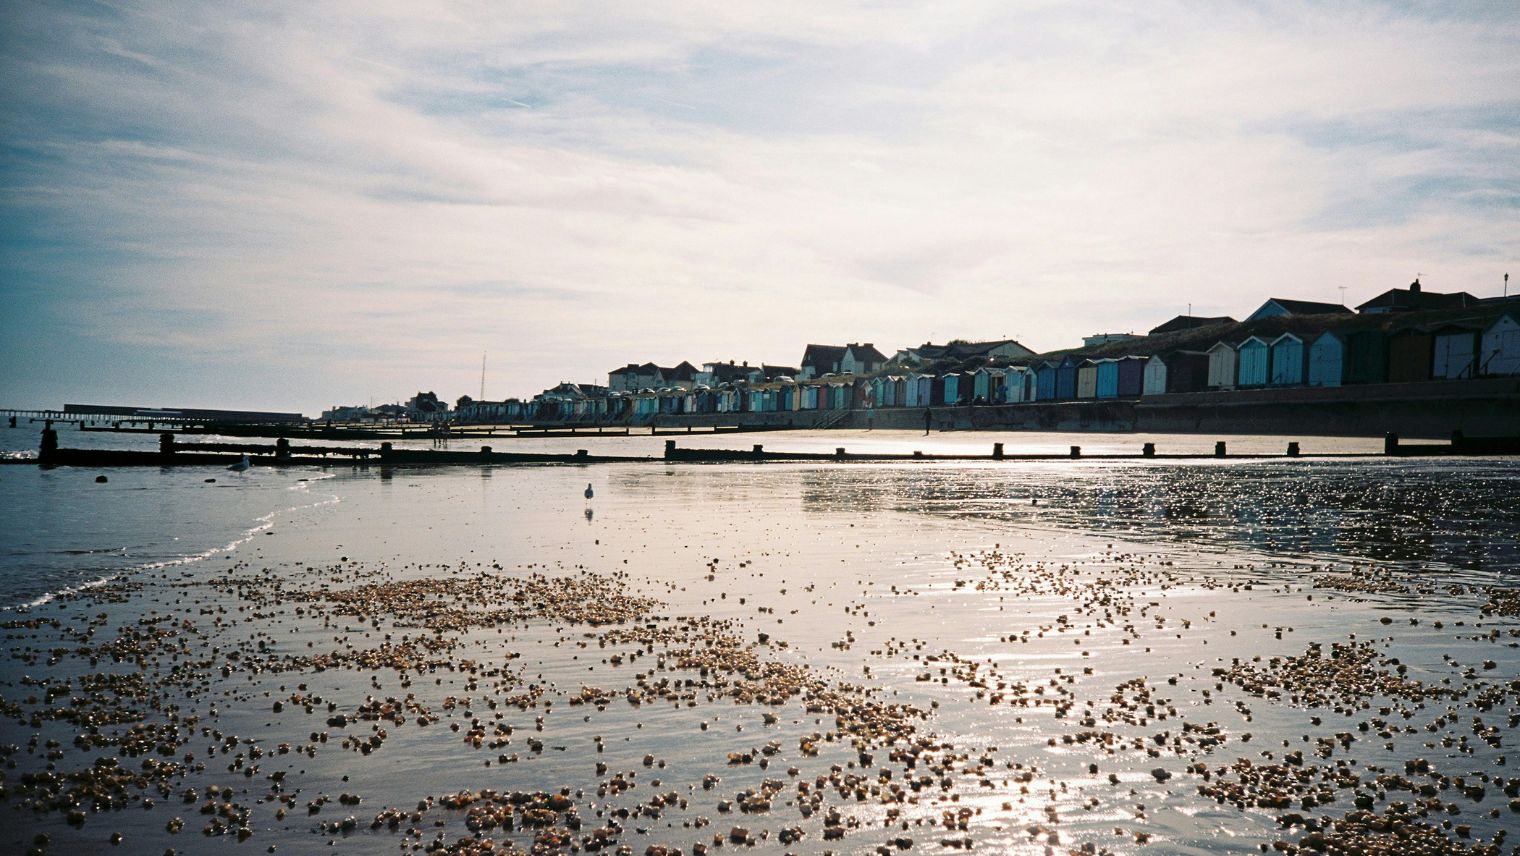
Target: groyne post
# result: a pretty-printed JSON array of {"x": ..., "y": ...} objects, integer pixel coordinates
[
  {"x": 839, "y": 451},
  {"x": 485, "y": 451},
  {"x": 386, "y": 451},
  {"x": 758, "y": 451},
  {"x": 1390, "y": 443},
  {"x": 1293, "y": 449},
  {"x": 997, "y": 451},
  {"x": 166, "y": 444},
  {"x": 49, "y": 449},
  {"x": 1219, "y": 449},
  {"x": 1458, "y": 441},
  {"x": 1076, "y": 451},
  {"x": 282, "y": 449},
  {"x": 670, "y": 450},
  {"x": 1148, "y": 450}
]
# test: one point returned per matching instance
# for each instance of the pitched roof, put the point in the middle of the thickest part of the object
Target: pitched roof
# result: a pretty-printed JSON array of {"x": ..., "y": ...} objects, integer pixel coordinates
[
  {"x": 1406, "y": 299},
  {"x": 818, "y": 355},
  {"x": 866, "y": 352},
  {"x": 1308, "y": 307},
  {"x": 777, "y": 371},
  {"x": 1189, "y": 322}
]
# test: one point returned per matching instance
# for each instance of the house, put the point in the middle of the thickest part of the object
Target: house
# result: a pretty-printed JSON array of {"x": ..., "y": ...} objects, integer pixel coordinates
[
  {"x": 1410, "y": 354},
  {"x": 1456, "y": 348},
  {"x": 861, "y": 359},
  {"x": 716, "y": 373},
  {"x": 1107, "y": 382},
  {"x": 1288, "y": 361},
  {"x": 425, "y": 407},
  {"x": 1501, "y": 346},
  {"x": 961, "y": 350},
  {"x": 1221, "y": 366},
  {"x": 1327, "y": 357},
  {"x": 1131, "y": 376},
  {"x": 1189, "y": 322},
  {"x": 1414, "y": 298},
  {"x": 1278, "y": 306},
  {"x": 1253, "y": 361},
  {"x": 634, "y": 377},
  {"x": 1087, "y": 379},
  {"x": 819, "y": 360},
  {"x": 771, "y": 372}
]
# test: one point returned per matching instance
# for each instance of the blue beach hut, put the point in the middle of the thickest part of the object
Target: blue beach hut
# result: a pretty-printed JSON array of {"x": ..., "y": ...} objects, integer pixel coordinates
[
  {"x": 1107, "y": 381},
  {"x": 1255, "y": 358},
  {"x": 1288, "y": 360}
]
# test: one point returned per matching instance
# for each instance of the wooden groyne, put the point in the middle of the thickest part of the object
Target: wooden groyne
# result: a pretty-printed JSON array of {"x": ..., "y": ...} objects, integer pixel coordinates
[{"x": 172, "y": 453}]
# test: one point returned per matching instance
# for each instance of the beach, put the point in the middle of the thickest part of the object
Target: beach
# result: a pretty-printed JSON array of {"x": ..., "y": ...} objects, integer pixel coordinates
[{"x": 1091, "y": 657}]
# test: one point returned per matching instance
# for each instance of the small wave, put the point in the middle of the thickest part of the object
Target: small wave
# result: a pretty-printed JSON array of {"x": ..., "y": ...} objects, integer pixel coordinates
[{"x": 264, "y": 523}]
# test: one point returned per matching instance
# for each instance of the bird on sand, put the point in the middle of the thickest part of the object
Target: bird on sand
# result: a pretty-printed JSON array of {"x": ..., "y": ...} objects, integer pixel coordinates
[{"x": 242, "y": 465}]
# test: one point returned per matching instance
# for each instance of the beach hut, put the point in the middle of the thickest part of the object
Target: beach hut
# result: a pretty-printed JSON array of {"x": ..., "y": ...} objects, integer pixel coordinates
[
  {"x": 1288, "y": 360},
  {"x": 1221, "y": 366},
  {"x": 1327, "y": 357},
  {"x": 910, "y": 393},
  {"x": 1456, "y": 349},
  {"x": 1253, "y": 358},
  {"x": 1087, "y": 379},
  {"x": 1045, "y": 381},
  {"x": 1154, "y": 382},
  {"x": 1066, "y": 378},
  {"x": 1015, "y": 385},
  {"x": 1366, "y": 357},
  {"x": 1131, "y": 376},
  {"x": 1107, "y": 379},
  {"x": 1501, "y": 346},
  {"x": 949, "y": 389},
  {"x": 839, "y": 396},
  {"x": 899, "y": 390},
  {"x": 1410, "y": 354}
]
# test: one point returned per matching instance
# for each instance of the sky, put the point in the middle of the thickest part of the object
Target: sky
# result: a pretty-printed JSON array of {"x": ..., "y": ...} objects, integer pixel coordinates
[{"x": 294, "y": 205}]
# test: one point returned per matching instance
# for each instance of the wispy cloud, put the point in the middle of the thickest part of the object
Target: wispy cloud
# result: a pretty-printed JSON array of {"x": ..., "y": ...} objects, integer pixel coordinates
[{"x": 367, "y": 196}]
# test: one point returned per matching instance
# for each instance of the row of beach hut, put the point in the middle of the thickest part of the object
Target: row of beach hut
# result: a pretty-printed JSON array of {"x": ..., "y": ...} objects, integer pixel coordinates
[{"x": 1330, "y": 358}]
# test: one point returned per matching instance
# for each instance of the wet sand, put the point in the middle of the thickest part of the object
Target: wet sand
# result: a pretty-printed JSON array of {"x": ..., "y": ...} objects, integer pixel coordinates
[{"x": 796, "y": 659}]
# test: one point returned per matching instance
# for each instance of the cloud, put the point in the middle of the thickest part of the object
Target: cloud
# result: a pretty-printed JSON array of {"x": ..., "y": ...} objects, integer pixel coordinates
[{"x": 368, "y": 196}]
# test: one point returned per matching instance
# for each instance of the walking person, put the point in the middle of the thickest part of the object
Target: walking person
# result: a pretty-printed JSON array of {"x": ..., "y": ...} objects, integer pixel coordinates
[{"x": 928, "y": 419}]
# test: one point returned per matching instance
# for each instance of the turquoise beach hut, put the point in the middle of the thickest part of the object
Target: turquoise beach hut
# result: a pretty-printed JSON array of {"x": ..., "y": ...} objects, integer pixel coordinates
[
  {"x": 1107, "y": 380},
  {"x": 1255, "y": 358}
]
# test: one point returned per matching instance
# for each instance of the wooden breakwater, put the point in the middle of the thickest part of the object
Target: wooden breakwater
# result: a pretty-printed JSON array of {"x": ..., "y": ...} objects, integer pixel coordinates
[{"x": 171, "y": 453}]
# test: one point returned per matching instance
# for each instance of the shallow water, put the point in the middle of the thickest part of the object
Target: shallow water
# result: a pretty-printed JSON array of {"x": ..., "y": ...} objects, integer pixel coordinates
[{"x": 1067, "y": 591}]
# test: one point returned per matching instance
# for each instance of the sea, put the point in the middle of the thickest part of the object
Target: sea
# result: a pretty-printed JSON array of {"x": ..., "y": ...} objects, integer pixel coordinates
[{"x": 1194, "y": 656}]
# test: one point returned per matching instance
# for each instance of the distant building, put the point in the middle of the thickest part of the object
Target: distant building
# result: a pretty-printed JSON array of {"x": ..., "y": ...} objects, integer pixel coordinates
[
  {"x": 1414, "y": 298},
  {"x": 819, "y": 360},
  {"x": 425, "y": 407},
  {"x": 861, "y": 359},
  {"x": 347, "y": 413},
  {"x": 634, "y": 377},
  {"x": 960, "y": 350},
  {"x": 1190, "y": 322},
  {"x": 1277, "y": 306}
]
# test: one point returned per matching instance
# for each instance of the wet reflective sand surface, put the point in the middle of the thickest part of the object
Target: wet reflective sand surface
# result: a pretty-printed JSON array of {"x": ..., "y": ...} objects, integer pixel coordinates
[{"x": 1160, "y": 657}]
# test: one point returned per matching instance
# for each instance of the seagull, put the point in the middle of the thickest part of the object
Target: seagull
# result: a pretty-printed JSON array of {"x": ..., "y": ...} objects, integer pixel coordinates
[
  {"x": 242, "y": 464},
  {"x": 589, "y": 492}
]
